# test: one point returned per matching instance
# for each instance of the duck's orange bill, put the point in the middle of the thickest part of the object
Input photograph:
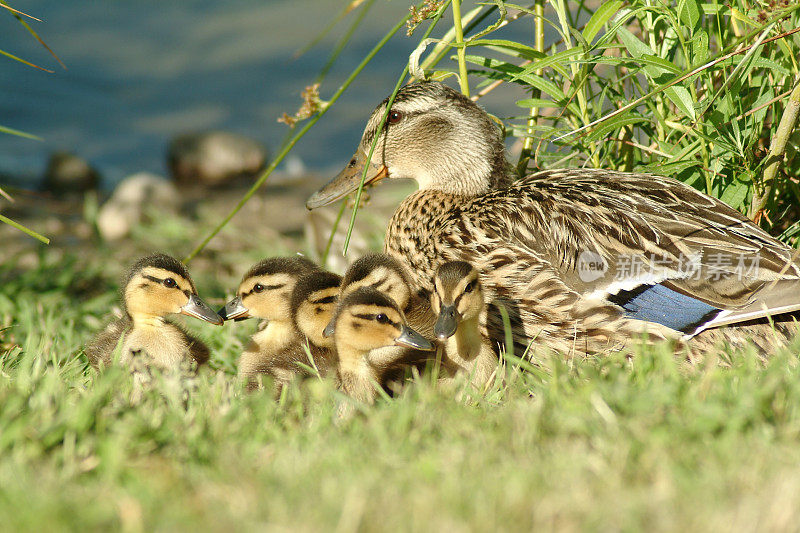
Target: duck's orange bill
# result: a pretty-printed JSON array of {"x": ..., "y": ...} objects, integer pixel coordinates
[{"x": 347, "y": 181}]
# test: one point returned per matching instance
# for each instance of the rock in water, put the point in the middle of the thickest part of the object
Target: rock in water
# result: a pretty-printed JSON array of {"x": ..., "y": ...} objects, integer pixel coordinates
[
  {"x": 214, "y": 158},
  {"x": 68, "y": 173},
  {"x": 127, "y": 204}
]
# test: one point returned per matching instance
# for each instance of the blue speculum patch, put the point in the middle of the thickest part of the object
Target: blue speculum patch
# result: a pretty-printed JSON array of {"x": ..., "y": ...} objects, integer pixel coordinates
[{"x": 662, "y": 305}]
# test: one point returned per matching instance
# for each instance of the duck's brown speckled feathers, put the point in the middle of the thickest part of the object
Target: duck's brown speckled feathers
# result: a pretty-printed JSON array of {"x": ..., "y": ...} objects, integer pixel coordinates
[{"x": 582, "y": 260}]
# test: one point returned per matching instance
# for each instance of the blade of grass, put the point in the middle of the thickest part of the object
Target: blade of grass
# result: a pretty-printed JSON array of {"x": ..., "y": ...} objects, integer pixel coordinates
[
  {"x": 17, "y": 11},
  {"x": 527, "y": 143},
  {"x": 327, "y": 29},
  {"x": 289, "y": 145},
  {"x": 25, "y": 230},
  {"x": 402, "y": 77},
  {"x": 41, "y": 41},
  {"x": 15, "y": 58},
  {"x": 337, "y": 50},
  {"x": 5, "y": 195},
  {"x": 18, "y": 133},
  {"x": 327, "y": 252}
]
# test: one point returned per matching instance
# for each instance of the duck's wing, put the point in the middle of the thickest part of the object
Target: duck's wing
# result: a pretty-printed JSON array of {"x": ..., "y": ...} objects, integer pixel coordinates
[
  {"x": 654, "y": 246},
  {"x": 528, "y": 299},
  {"x": 100, "y": 349}
]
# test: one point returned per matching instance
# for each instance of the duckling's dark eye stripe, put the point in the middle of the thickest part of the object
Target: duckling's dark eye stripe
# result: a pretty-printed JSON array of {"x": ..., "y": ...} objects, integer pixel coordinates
[
  {"x": 372, "y": 317},
  {"x": 160, "y": 281},
  {"x": 267, "y": 288},
  {"x": 325, "y": 300}
]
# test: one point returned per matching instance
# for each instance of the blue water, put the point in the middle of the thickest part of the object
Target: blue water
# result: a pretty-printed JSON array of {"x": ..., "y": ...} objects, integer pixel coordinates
[{"x": 142, "y": 71}]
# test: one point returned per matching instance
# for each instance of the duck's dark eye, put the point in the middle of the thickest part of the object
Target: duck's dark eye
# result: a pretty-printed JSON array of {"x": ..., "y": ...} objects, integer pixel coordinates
[
  {"x": 169, "y": 282},
  {"x": 258, "y": 288},
  {"x": 382, "y": 319},
  {"x": 395, "y": 117},
  {"x": 469, "y": 288}
]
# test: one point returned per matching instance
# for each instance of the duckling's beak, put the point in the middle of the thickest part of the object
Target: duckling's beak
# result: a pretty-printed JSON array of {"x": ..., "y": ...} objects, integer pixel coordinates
[
  {"x": 328, "y": 331},
  {"x": 347, "y": 181},
  {"x": 234, "y": 310},
  {"x": 199, "y": 309},
  {"x": 412, "y": 339},
  {"x": 447, "y": 323}
]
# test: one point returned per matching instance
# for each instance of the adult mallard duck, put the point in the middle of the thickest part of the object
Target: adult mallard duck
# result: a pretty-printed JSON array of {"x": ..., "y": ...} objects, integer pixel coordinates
[
  {"x": 155, "y": 286},
  {"x": 582, "y": 260}
]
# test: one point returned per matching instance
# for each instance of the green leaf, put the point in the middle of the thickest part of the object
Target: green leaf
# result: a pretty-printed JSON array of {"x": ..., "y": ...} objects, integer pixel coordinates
[
  {"x": 536, "y": 102},
  {"x": 600, "y": 17},
  {"x": 735, "y": 194},
  {"x": 682, "y": 99},
  {"x": 690, "y": 13},
  {"x": 553, "y": 60},
  {"x": 655, "y": 67},
  {"x": 636, "y": 48},
  {"x": 613, "y": 125},
  {"x": 700, "y": 48}
]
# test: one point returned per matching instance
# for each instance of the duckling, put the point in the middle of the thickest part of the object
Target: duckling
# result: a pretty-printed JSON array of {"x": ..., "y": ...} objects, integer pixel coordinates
[
  {"x": 391, "y": 277},
  {"x": 265, "y": 292},
  {"x": 458, "y": 299},
  {"x": 313, "y": 304},
  {"x": 365, "y": 321},
  {"x": 155, "y": 286}
]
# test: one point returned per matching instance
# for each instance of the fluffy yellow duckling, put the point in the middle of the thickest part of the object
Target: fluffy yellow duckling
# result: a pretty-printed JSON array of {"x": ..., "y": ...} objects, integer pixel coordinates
[
  {"x": 313, "y": 304},
  {"x": 391, "y": 277},
  {"x": 458, "y": 299},
  {"x": 156, "y": 286},
  {"x": 265, "y": 292},
  {"x": 365, "y": 321}
]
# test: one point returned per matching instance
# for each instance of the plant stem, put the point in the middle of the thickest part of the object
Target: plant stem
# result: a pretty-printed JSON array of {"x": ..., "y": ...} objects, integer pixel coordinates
[
  {"x": 25, "y": 230},
  {"x": 527, "y": 143},
  {"x": 776, "y": 150},
  {"x": 462, "y": 51},
  {"x": 380, "y": 128},
  {"x": 289, "y": 145}
]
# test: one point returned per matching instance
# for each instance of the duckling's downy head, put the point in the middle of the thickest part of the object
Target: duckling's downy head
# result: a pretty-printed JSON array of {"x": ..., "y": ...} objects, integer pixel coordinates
[
  {"x": 266, "y": 289},
  {"x": 457, "y": 296},
  {"x": 365, "y": 320},
  {"x": 313, "y": 304},
  {"x": 159, "y": 285},
  {"x": 381, "y": 272},
  {"x": 433, "y": 134}
]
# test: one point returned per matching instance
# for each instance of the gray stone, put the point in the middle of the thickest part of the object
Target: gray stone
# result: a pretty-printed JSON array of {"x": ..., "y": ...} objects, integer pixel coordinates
[
  {"x": 132, "y": 197},
  {"x": 68, "y": 173},
  {"x": 214, "y": 158}
]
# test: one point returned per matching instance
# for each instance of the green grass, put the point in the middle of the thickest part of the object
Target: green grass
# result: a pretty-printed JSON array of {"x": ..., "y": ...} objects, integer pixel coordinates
[{"x": 599, "y": 444}]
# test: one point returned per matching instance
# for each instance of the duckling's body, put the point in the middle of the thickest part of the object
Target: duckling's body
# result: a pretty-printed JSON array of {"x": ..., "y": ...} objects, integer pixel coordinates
[
  {"x": 459, "y": 302},
  {"x": 367, "y": 320},
  {"x": 156, "y": 285},
  {"x": 265, "y": 292},
  {"x": 583, "y": 260},
  {"x": 313, "y": 305}
]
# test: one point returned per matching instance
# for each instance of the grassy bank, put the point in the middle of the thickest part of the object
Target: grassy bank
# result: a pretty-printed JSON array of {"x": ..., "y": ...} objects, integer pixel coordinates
[{"x": 610, "y": 443}]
